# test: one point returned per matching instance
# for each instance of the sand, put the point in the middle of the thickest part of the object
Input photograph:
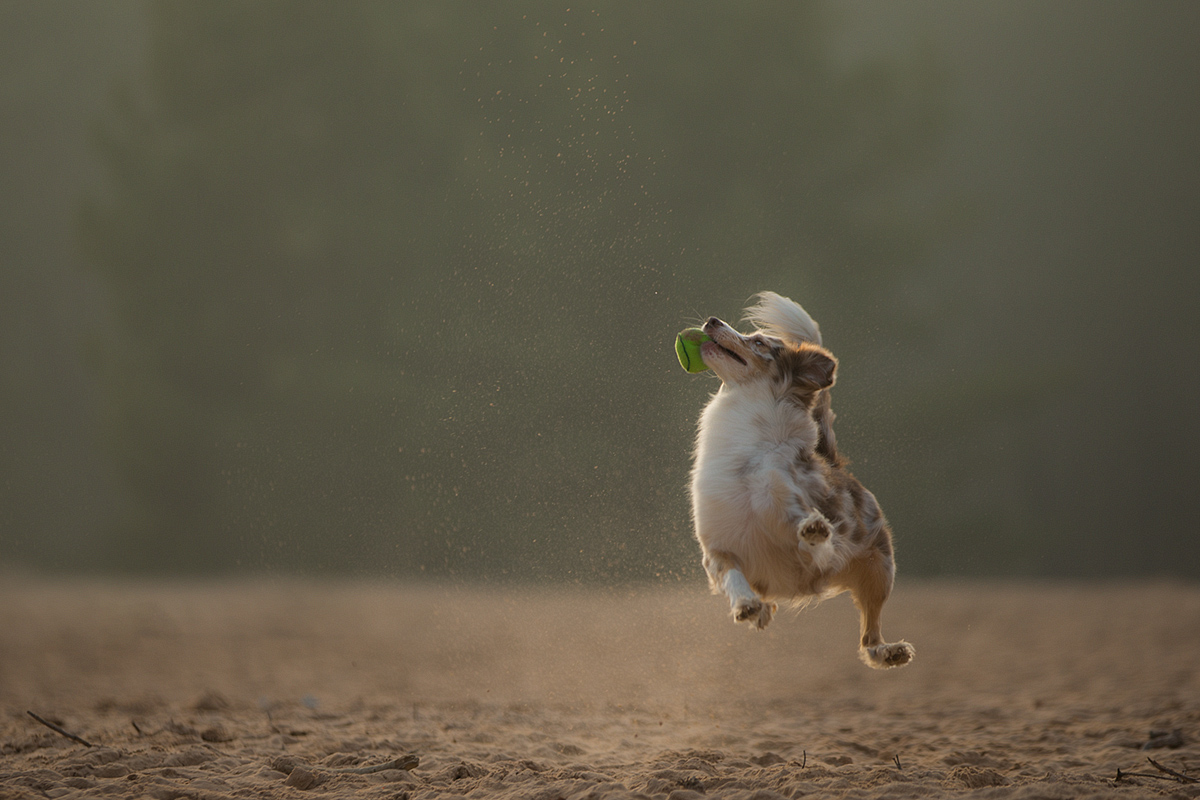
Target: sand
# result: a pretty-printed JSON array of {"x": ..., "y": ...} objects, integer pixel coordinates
[{"x": 275, "y": 689}]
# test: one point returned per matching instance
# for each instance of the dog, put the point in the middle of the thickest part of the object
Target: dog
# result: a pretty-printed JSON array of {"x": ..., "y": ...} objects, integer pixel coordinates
[{"x": 778, "y": 516}]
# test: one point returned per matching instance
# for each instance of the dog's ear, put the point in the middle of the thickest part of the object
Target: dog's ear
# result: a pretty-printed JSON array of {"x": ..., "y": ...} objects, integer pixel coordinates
[
  {"x": 808, "y": 368},
  {"x": 814, "y": 367}
]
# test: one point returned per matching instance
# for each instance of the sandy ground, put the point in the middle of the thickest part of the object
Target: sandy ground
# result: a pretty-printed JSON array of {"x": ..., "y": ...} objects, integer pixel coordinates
[{"x": 261, "y": 689}]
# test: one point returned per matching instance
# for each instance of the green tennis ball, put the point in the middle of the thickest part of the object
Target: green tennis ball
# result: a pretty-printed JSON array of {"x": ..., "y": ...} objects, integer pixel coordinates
[{"x": 687, "y": 347}]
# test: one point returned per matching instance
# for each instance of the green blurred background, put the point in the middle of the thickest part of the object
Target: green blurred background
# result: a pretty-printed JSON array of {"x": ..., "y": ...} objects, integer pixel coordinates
[{"x": 390, "y": 288}]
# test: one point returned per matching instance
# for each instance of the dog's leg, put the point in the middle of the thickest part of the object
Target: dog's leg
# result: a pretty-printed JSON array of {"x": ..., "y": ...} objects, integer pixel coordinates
[
  {"x": 745, "y": 604},
  {"x": 725, "y": 575},
  {"x": 815, "y": 535},
  {"x": 870, "y": 582}
]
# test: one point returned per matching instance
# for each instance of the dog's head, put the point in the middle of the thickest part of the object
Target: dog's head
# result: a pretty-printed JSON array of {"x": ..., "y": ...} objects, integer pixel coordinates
[{"x": 795, "y": 369}]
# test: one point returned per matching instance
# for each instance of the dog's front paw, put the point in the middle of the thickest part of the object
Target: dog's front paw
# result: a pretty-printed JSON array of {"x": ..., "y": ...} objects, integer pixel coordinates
[
  {"x": 754, "y": 611},
  {"x": 888, "y": 655},
  {"x": 815, "y": 529}
]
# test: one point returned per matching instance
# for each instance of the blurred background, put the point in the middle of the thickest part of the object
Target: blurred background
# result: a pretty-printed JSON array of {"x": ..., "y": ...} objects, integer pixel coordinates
[{"x": 390, "y": 289}]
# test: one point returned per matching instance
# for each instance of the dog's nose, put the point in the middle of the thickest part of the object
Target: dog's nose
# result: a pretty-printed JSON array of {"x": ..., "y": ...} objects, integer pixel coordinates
[{"x": 712, "y": 321}]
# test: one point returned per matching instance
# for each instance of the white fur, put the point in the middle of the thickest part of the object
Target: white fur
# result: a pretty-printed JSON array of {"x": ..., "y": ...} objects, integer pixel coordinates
[{"x": 779, "y": 316}]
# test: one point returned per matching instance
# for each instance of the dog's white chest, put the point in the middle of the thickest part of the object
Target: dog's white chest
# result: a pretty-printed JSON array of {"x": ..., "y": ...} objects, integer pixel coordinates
[{"x": 746, "y": 455}]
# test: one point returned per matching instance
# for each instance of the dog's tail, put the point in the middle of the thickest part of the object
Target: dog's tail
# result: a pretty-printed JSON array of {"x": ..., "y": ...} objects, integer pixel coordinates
[{"x": 778, "y": 316}]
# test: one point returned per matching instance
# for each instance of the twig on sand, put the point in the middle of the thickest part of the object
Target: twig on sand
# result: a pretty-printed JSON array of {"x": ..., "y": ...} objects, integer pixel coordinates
[
  {"x": 1182, "y": 778},
  {"x": 1121, "y": 774},
  {"x": 896, "y": 759},
  {"x": 59, "y": 730},
  {"x": 403, "y": 762},
  {"x": 1171, "y": 775}
]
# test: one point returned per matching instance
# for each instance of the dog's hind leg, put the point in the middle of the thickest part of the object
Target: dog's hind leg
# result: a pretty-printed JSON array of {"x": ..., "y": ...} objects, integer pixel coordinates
[
  {"x": 870, "y": 582},
  {"x": 725, "y": 576}
]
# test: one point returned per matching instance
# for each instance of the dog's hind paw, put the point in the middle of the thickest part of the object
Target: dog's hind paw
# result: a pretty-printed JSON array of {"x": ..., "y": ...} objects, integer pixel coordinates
[
  {"x": 755, "y": 611},
  {"x": 887, "y": 655}
]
